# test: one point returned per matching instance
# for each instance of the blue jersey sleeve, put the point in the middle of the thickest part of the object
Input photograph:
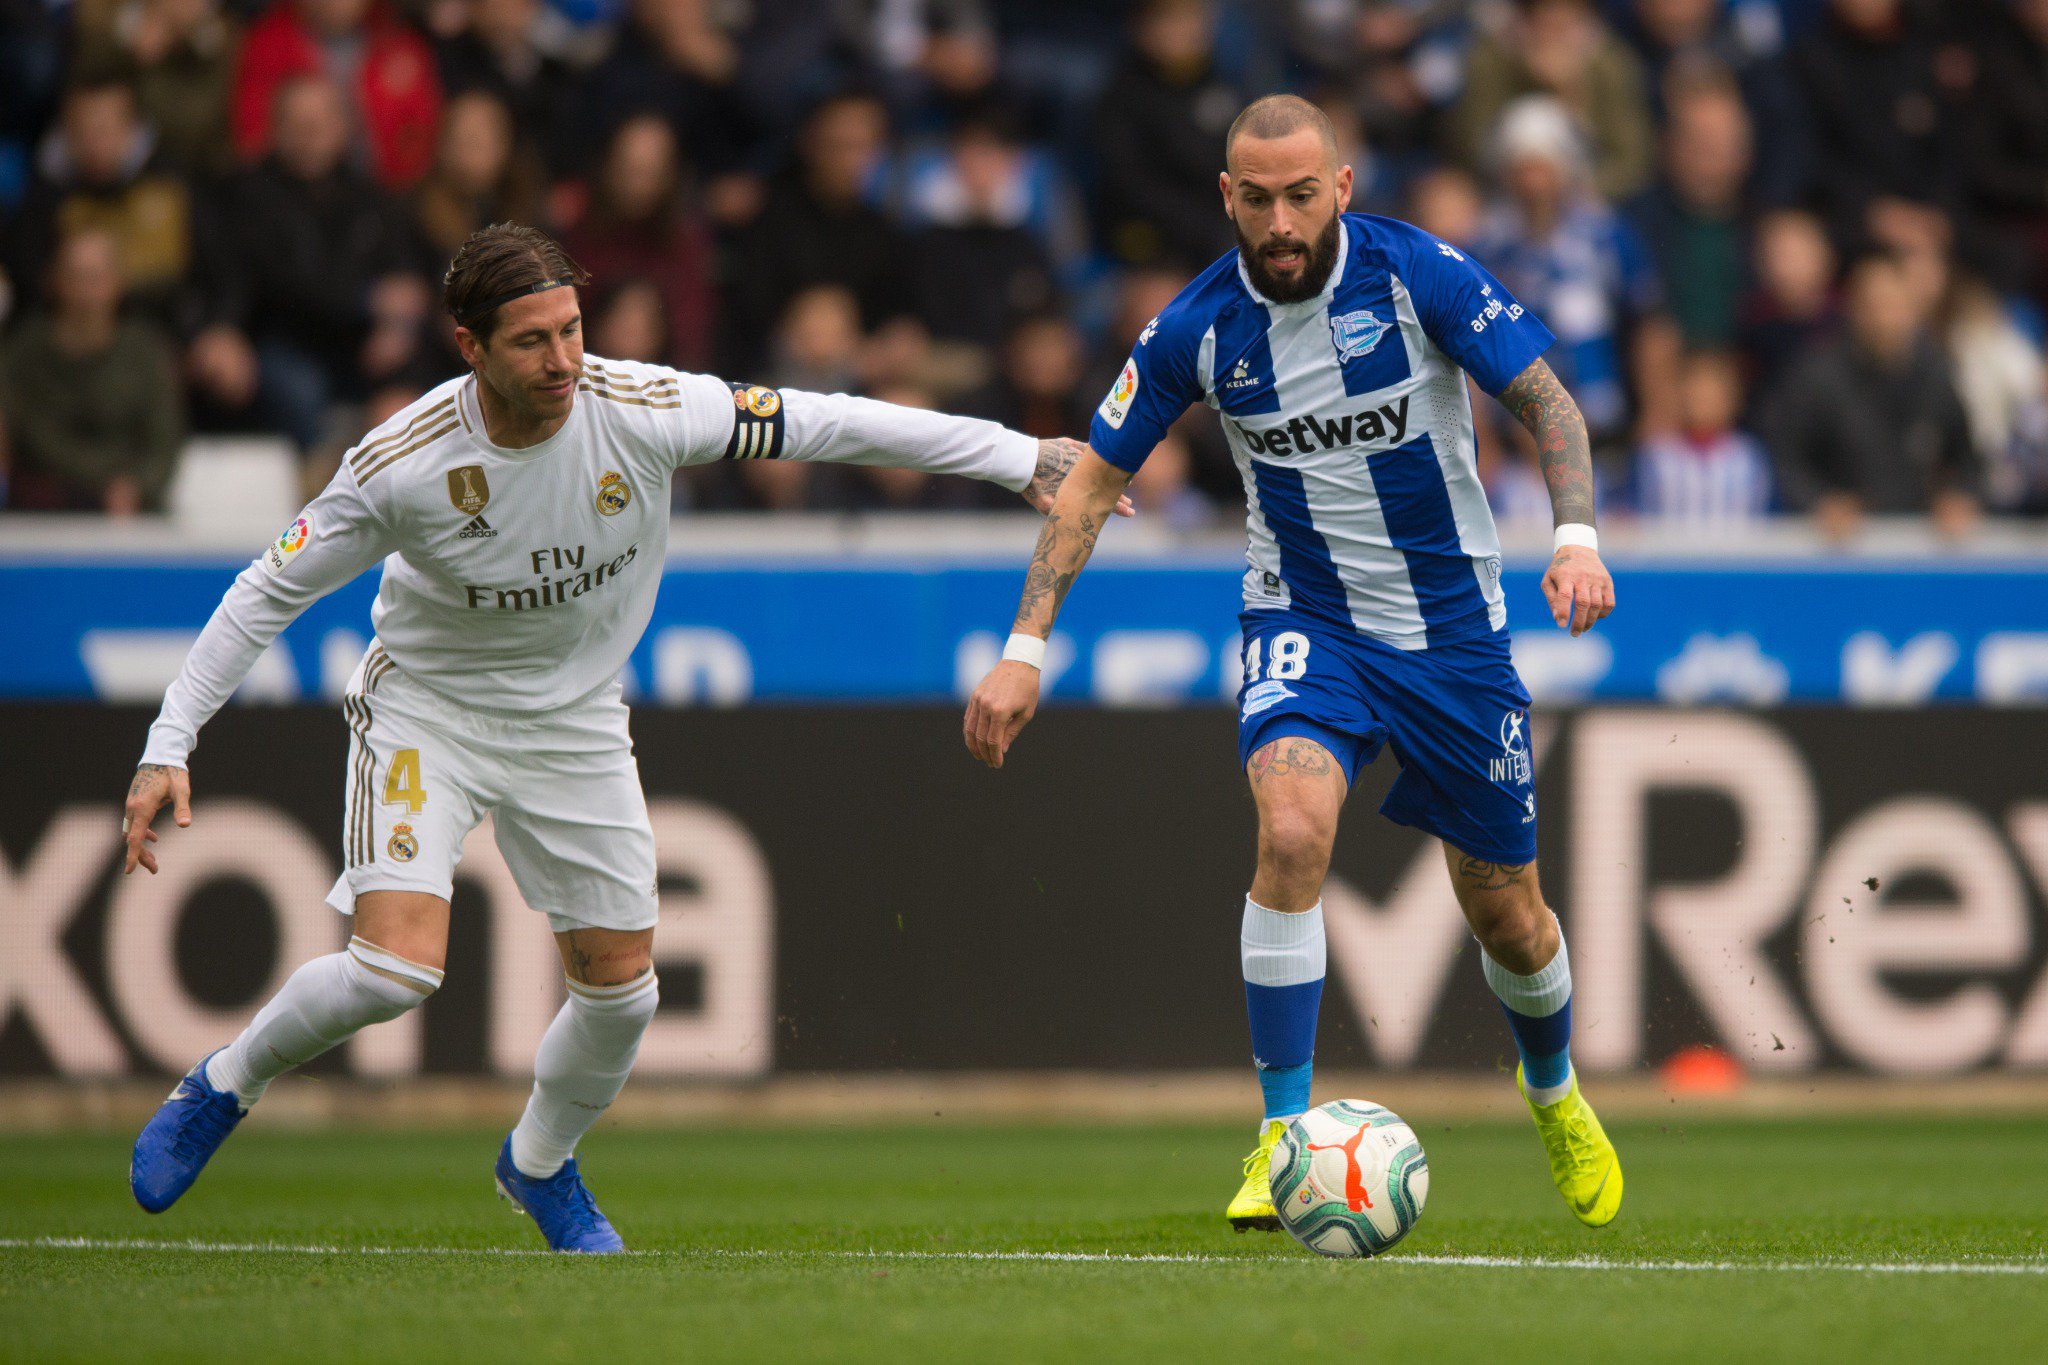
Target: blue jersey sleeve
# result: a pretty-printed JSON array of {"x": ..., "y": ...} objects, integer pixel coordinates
[
  {"x": 1470, "y": 315},
  {"x": 1155, "y": 387}
]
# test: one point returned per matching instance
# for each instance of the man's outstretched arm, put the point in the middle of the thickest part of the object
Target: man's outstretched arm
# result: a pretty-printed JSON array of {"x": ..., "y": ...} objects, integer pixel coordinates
[
  {"x": 1577, "y": 585},
  {"x": 1090, "y": 491}
]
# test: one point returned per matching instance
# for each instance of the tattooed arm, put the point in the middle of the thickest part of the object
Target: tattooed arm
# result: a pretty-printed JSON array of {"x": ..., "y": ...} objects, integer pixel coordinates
[
  {"x": 1090, "y": 490},
  {"x": 154, "y": 784},
  {"x": 1056, "y": 459},
  {"x": 1578, "y": 586}
]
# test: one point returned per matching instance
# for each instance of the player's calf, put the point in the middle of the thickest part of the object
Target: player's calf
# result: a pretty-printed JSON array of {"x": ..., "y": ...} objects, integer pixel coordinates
[{"x": 322, "y": 1003}]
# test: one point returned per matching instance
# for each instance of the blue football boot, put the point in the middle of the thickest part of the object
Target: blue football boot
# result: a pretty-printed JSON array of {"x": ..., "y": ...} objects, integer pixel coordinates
[
  {"x": 569, "y": 1218},
  {"x": 176, "y": 1144}
]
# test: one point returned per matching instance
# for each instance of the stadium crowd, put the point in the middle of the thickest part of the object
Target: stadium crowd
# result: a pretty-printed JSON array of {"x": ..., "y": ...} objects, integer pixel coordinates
[{"x": 1795, "y": 252}]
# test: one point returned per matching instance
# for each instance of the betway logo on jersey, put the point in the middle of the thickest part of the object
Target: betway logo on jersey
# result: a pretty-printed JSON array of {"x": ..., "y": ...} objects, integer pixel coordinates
[
  {"x": 1383, "y": 425},
  {"x": 562, "y": 578}
]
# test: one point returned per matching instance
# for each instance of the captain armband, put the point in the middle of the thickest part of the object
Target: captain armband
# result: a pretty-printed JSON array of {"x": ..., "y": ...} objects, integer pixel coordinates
[{"x": 757, "y": 423}]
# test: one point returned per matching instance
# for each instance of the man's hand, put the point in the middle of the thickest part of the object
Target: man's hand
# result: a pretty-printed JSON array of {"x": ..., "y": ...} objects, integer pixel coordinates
[
  {"x": 1579, "y": 589},
  {"x": 999, "y": 710},
  {"x": 154, "y": 784},
  {"x": 1055, "y": 461}
]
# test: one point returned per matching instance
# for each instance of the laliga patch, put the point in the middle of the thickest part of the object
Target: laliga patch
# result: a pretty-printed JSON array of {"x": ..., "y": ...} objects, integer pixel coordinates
[
  {"x": 1265, "y": 696},
  {"x": 1356, "y": 334},
  {"x": 1117, "y": 406},
  {"x": 279, "y": 552}
]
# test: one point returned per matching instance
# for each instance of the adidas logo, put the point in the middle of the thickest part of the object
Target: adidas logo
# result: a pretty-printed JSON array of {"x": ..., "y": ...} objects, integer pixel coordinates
[{"x": 477, "y": 529}]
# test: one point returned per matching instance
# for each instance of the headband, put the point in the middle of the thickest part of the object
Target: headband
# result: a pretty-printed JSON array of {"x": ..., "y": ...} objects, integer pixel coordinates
[{"x": 497, "y": 301}]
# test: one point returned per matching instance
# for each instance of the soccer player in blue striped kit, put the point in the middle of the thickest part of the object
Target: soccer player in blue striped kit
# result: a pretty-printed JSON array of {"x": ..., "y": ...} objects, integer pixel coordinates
[{"x": 1335, "y": 348}]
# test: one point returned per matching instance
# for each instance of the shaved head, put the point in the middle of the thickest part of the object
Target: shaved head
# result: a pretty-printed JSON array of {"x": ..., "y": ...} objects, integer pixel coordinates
[{"x": 1277, "y": 116}]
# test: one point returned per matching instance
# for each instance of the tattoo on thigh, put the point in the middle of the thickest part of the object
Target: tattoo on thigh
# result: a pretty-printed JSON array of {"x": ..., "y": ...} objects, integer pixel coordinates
[
  {"x": 1285, "y": 756},
  {"x": 1486, "y": 876}
]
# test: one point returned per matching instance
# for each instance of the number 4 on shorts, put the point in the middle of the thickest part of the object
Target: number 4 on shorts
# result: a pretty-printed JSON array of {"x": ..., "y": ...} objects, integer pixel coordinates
[{"x": 402, "y": 784}]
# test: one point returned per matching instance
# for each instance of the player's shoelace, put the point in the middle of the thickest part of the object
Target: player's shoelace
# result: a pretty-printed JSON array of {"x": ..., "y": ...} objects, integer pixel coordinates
[
  {"x": 208, "y": 1119},
  {"x": 1573, "y": 1141},
  {"x": 1260, "y": 1163}
]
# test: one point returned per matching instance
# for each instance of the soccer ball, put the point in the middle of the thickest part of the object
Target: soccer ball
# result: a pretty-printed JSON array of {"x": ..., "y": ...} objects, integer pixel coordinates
[{"x": 1349, "y": 1178}]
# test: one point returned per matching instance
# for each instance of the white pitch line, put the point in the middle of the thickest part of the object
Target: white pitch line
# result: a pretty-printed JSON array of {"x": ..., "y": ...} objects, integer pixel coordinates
[{"x": 1594, "y": 1263}]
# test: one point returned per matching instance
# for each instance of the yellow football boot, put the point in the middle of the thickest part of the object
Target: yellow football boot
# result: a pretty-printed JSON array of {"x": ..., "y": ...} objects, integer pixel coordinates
[
  {"x": 1582, "y": 1161},
  {"x": 1253, "y": 1207}
]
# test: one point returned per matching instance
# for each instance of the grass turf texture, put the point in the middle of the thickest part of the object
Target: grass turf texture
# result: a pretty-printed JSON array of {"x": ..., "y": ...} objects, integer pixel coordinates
[{"x": 814, "y": 1202}]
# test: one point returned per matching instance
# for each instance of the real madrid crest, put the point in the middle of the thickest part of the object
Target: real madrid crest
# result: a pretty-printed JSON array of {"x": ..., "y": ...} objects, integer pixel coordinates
[
  {"x": 613, "y": 494},
  {"x": 403, "y": 846},
  {"x": 468, "y": 489}
]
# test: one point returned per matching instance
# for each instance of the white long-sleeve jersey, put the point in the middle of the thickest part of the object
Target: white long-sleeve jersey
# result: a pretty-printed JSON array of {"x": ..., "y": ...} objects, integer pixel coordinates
[{"x": 519, "y": 581}]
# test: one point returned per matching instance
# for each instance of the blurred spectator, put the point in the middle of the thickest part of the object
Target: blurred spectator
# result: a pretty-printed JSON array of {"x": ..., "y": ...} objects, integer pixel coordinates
[
  {"x": 479, "y": 176},
  {"x": 180, "y": 57},
  {"x": 672, "y": 59},
  {"x": 979, "y": 266},
  {"x": 1038, "y": 387},
  {"x": 1163, "y": 488},
  {"x": 1679, "y": 37},
  {"x": 1997, "y": 370},
  {"x": 1792, "y": 309},
  {"x": 818, "y": 344},
  {"x": 1693, "y": 219},
  {"x": 1708, "y": 473},
  {"x": 1158, "y": 139},
  {"x": 638, "y": 227},
  {"x": 817, "y": 227},
  {"x": 499, "y": 53},
  {"x": 314, "y": 297},
  {"x": 1871, "y": 423},
  {"x": 1562, "y": 49},
  {"x": 89, "y": 399},
  {"x": 2008, "y": 150},
  {"x": 1446, "y": 203},
  {"x": 1397, "y": 64},
  {"x": 363, "y": 46},
  {"x": 985, "y": 174},
  {"x": 629, "y": 322},
  {"x": 99, "y": 170},
  {"x": 1141, "y": 296},
  {"x": 1883, "y": 126},
  {"x": 1583, "y": 270}
]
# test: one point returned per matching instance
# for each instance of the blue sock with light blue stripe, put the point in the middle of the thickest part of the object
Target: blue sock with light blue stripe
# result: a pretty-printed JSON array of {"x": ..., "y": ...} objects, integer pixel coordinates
[
  {"x": 1539, "y": 1011},
  {"x": 1284, "y": 958}
]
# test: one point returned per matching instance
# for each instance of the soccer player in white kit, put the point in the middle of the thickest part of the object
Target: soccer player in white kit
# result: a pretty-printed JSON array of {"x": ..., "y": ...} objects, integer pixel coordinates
[{"x": 521, "y": 516}]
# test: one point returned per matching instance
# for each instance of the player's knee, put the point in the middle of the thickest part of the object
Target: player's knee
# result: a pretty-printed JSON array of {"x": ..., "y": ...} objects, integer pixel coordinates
[
  {"x": 1515, "y": 932},
  {"x": 1295, "y": 839},
  {"x": 396, "y": 983}
]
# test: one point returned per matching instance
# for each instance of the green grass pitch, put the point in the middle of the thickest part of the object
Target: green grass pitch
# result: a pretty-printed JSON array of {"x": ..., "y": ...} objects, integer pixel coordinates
[{"x": 859, "y": 1244}]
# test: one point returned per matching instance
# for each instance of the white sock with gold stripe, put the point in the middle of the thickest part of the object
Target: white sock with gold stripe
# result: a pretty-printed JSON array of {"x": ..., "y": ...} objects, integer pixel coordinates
[
  {"x": 324, "y": 1002},
  {"x": 582, "y": 1064}
]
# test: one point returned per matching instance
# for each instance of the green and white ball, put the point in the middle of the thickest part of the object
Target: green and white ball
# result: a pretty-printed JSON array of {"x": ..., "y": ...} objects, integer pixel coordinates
[{"x": 1349, "y": 1178}]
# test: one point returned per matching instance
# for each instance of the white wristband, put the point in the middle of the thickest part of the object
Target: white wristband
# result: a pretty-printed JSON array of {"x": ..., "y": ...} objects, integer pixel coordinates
[
  {"x": 1576, "y": 533},
  {"x": 1026, "y": 649}
]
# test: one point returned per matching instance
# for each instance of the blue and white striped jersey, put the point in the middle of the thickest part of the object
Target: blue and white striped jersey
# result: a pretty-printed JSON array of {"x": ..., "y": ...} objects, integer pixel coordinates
[{"x": 1348, "y": 417}]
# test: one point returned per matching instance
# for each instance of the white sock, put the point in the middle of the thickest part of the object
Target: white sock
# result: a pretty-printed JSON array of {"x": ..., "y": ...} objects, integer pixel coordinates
[
  {"x": 581, "y": 1066},
  {"x": 324, "y": 1002}
]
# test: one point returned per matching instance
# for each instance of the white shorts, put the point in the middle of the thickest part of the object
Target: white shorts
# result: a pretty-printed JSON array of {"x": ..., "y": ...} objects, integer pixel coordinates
[{"x": 562, "y": 788}]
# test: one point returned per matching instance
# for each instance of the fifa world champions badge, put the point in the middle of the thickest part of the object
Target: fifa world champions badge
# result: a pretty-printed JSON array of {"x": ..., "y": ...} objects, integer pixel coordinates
[
  {"x": 612, "y": 494},
  {"x": 403, "y": 846}
]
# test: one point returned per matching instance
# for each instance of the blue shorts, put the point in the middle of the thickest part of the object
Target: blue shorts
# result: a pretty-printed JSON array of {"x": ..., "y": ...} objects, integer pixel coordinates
[{"x": 1456, "y": 717}]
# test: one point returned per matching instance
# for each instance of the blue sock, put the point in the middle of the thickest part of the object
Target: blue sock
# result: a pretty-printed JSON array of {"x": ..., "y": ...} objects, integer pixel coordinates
[
  {"x": 1539, "y": 1011},
  {"x": 1283, "y": 957}
]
